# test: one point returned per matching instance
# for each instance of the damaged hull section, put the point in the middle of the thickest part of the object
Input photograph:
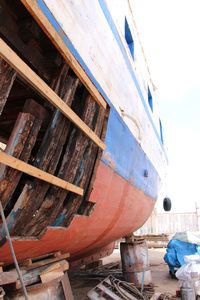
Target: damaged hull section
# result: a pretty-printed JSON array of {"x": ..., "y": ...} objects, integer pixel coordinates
[{"x": 72, "y": 106}]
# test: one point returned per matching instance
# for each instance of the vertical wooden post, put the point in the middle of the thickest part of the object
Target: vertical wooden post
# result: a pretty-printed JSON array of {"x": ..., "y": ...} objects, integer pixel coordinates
[{"x": 7, "y": 77}]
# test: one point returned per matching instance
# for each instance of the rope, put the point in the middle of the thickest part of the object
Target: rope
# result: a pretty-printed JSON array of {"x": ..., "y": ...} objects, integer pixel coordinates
[{"x": 13, "y": 252}]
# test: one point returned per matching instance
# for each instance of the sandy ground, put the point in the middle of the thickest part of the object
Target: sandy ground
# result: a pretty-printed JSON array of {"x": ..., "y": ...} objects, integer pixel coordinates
[{"x": 160, "y": 274}]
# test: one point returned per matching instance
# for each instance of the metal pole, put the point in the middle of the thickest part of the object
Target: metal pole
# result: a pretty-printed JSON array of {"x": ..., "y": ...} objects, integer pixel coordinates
[{"x": 13, "y": 252}]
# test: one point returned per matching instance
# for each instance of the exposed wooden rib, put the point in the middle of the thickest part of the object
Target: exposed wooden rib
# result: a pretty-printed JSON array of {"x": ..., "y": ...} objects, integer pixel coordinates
[
  {"x": 7, "y": 77},
  {"x": 56, "y": 39},
  {"x": 27, "y": 73},
  {"x": 35, "y": 172}
]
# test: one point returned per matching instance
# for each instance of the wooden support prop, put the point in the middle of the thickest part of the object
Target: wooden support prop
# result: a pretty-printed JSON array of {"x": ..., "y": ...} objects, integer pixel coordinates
[
  {"x": 34, "y": 80},
  {"x": 57, "y": 40},
  {"x": 35, "y": 172},
  {"x": 67, "y": 287}
]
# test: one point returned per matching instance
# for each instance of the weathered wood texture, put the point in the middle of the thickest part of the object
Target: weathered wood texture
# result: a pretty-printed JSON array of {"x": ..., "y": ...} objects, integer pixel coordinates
[
  {"x": 27, "y": 38},
  {"x": 65, "y": 52},
  {"x": 90, "y": 162},
  {"x": 7, "y": 77},
  {"x": 36, "y": 110},
  {"x": 37, "y": 83},
  {"x": 86, "y": 207},
  {"x": 20, "y": 145},
  {"x": 77, "y": 165},
  {"x": 71, "y": 169},
  {"x": 49, "y": 152}
]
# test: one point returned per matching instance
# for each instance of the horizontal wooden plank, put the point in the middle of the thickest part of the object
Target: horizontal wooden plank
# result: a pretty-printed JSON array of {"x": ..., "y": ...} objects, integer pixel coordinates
[
  {"x": 35, "y": 172},
  {"x": 35, "y": 81},
  {"x": 33, "y": 8}
]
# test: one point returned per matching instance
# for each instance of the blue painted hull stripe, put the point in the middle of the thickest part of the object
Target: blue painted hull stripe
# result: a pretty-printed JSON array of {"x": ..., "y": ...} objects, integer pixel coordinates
[
  {"x": 124, "y": 155},
  {"x": 129, "y": 66}
]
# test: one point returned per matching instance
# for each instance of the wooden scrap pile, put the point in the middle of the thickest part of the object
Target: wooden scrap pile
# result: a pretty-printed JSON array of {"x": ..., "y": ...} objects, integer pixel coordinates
[{"x": 37, "y": 273}]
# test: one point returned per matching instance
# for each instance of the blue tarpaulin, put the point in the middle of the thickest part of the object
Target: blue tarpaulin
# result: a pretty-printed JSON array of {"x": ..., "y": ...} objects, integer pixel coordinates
[{"x": 176, "y": 250}]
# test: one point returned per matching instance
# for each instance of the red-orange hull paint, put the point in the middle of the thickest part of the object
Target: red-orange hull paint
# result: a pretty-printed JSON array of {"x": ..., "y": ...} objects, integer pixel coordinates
[{"x": 120, "y": 209}]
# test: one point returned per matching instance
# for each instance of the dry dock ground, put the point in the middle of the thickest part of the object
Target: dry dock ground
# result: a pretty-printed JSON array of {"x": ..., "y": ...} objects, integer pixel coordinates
[{"x": 162, "y": 281}]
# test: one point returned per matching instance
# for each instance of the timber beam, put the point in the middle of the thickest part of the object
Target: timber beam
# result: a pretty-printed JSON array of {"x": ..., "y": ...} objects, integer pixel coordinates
[{"x": 37, "y": 173}]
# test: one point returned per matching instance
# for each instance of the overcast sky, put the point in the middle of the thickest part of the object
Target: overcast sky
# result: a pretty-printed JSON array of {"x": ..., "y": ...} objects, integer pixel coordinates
[{"x": 170, "y": 33}]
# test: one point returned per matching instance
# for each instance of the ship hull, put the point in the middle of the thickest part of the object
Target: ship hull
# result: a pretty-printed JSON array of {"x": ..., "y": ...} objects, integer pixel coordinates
[
  {"x": 125, "y": 178},
  {"x": 120, "y": 209}
]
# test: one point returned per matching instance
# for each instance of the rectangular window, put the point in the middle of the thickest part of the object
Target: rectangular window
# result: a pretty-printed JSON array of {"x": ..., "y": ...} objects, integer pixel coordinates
[
  {"x": 150, "y": 99},
  {"x": 129, "y": 38}
]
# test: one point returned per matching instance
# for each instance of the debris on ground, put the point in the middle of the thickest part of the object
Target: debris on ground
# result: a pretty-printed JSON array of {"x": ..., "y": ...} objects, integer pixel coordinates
[
  {"x": 110, "y": 284},
  {"x": 113, "y": 288}
]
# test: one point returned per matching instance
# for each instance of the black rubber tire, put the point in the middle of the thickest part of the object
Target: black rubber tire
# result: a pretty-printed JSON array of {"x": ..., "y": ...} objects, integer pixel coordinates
[{"x": 167, "y": 204}]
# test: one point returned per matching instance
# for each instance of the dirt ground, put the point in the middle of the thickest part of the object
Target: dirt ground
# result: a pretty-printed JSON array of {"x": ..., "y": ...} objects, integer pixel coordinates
[{"x": 160, "y": 274}]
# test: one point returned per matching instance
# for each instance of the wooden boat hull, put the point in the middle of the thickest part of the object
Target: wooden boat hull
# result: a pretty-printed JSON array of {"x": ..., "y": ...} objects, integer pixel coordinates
[
  {"x": 120, "y": 209},
  {"x": 125, "y": 178}
]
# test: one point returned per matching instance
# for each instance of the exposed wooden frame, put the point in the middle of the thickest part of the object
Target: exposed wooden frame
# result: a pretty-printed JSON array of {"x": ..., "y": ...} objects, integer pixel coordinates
[
  {"x": 33, "y": 8},
  {"x": 35, "y": 81},
  {"x": 35, "y": 172}
]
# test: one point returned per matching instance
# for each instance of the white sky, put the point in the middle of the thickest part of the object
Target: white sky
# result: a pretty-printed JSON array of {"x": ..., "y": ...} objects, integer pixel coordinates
[{"x": 170, "y": 33}]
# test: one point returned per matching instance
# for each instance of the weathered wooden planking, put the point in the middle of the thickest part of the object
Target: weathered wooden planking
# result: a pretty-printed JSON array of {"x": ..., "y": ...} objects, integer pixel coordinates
[
  {"x": 20, "y": 145},
  {"x": 35, "y": 172},
  {"x": 49, "y": 152},
  {"x": 72, "y": 167},
  {"x": 26, "y": 37},
  {"x": 71, "y": 160},
  {"x": 34, "y": 80},
  {"x": 65, "y": 52},
  {"x": 86, "y": 206},
  {"x": 7, "y": 77},
  {"x": 36, "y": 110},
  {"x": 90, "y": 161}
]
